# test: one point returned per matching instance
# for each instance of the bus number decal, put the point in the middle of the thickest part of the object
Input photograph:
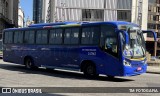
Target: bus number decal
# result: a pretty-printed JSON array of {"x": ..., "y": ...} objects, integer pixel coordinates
[{"x": 92, "y": 53}]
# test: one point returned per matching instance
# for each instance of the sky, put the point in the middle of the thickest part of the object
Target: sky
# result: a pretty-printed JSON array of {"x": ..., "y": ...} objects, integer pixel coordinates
[{"x": 27, "y": 6}]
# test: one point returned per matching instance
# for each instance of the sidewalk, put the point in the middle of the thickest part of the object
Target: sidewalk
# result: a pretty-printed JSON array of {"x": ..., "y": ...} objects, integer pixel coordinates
[
  {"x": 1, "y": 56},
  {"x": 153, "y": 69}
]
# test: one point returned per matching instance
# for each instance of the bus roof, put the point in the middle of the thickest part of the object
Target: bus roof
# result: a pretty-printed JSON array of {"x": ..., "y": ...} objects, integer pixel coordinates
[
  {"x": 63, "y": 24},
  {"x": 52, "y": 24}
]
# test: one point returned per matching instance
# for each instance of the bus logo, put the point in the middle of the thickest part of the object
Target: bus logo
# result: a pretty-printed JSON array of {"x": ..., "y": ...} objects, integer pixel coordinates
[{"x": 6, "y": 90}]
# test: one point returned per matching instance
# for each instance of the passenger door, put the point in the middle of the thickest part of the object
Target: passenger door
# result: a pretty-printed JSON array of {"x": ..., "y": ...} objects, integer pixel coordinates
[
  {"x": 56, "y": 47},
  {"x": 110, "y": 45},
  {"x": 71, "y": 47}
]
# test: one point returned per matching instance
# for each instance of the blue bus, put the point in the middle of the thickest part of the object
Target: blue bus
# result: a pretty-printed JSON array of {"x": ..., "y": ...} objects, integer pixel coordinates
[{"x": 110, "y": 48}]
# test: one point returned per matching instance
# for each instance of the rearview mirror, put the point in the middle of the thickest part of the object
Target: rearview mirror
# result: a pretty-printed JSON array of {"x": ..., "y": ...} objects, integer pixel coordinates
[
  {"x": 125, "y": 35},
  {"x": 154, "y": 34}
]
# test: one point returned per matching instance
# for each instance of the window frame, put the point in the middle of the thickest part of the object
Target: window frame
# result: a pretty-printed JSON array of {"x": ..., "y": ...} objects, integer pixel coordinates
[
  {"x": 117, "y": 39},
  {"x": 34, "y": 37},
  {"x": 18, "y": 37},
  {"x": 41, "y": 36},
  {"x": 99, "y": 27},
  {"x": 4, "y": 34},
  {"x": 79, "y": 35},
  {"x": 49, "y": 31}
]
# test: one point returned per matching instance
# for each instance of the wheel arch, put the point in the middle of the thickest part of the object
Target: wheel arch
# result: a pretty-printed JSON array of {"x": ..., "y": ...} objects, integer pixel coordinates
[
  {"x": 84, "y": 63},
  {"x": 27, "y": 57}
]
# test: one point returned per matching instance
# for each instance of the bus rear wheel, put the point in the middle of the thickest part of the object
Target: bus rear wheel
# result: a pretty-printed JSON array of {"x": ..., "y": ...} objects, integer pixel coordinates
[
  {"x": 90, "y": 71},
  {"x": 29, "y": 64}
]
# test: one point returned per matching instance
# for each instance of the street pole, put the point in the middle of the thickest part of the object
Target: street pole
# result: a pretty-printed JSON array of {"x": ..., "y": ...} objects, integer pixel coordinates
[
  {"x": 104, "y": 10},
  {"x": 140, "y": 13},
  {"x": 63, "y": 11}
]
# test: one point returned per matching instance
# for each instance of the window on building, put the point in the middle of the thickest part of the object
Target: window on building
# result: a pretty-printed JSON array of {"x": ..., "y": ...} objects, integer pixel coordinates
[
  {"x": 41, "y": 37},
  {"x": 92, "y": 15},
  {"x": 151, "y": 26},
  {"x": 90, "y": 35},
  {"x": 18, "y": 37},
  {"x": 124, "y": 15},
  {"x": 29, "y": 37},
  {"x": 55, "y": 36},
  {"x": 158, "y": 35},
  {"x": 152, "y": 1},
  {"x": 71, "y": 36},
  {"x": 158, "y": 1}
]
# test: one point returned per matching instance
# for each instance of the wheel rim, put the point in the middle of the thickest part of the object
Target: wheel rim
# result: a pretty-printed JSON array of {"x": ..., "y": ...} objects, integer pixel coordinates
[
  {"x": 90, "y": 70},
  {"x": 28, "y": 64}
]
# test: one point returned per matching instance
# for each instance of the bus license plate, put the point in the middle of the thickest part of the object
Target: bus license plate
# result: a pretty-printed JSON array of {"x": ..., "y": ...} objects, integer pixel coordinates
[{"x": 139, "y": 69}]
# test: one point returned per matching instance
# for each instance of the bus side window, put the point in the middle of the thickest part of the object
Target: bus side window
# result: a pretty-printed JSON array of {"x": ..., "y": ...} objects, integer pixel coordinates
[
  {"x": 55, "y": 36},
  {"x": 18, "y": 37},
  {"x": 90, "y": 35},
  {"x": 29, "y": 37},
  {"x": 67, "y": 36},
  {"x": 75, "y": 36},
  {"x": 8, "y": 37},
  {"x": 41, "y": 37},
  {"x": 71, "y": 36}
]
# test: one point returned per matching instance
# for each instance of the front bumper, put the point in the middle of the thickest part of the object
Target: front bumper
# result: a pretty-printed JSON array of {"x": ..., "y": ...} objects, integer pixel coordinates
[{"x": 132, "y": 71}]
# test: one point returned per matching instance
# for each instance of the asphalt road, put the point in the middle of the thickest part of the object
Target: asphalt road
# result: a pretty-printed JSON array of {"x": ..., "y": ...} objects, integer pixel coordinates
[{"x": 12, "y": 75}]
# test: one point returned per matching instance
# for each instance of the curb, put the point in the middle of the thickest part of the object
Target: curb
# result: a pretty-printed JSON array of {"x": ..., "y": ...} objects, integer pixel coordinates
[
  {"x": 153, "y": 72},
  {"x": 1, "y": 57},
  {"x": 153, "y": 63},
  {"x": 153, "y": 69}
]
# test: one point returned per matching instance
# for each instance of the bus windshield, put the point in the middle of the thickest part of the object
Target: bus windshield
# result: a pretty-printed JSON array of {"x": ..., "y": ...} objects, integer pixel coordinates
[{"x": 136, "y": 46}]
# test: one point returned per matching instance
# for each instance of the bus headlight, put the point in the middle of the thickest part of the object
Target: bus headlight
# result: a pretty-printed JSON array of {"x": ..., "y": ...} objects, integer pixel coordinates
[{"x": 126, "y": 63}]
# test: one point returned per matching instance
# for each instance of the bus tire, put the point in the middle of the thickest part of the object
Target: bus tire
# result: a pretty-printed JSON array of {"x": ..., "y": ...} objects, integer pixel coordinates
[
  {"x": 90, "y": 70},
  {"x": 29, "y": 64},
  {"x": 110, "y": 77},
  {"x": 50, "y": 69}
]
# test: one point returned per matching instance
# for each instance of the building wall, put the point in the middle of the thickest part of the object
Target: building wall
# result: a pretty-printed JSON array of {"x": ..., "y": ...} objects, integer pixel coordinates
[
  {"x": 15, "y": 12},
  {"x": 37, "y": 11},
  {"x": 45, "y": 10},
  {"x": 20, "y": 18},
  {"x": 8, "y": 14},
  {"x": 73, "y": 10},
  {"x": 154, "y": 25}
]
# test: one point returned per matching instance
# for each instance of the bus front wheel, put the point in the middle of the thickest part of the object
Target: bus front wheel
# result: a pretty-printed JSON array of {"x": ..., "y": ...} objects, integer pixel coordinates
[
  {"x": 90, "y": 70},
  {"x": 111, "y": 77}
]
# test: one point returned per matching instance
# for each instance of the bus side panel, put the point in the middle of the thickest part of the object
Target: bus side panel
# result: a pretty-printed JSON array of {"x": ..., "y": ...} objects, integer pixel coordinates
[
  {"x": 105, "y": 63},
  {"x": 12, "y": 54},
  {"x": 52, "y": 56},
  {"x": 70, "y": 57}
]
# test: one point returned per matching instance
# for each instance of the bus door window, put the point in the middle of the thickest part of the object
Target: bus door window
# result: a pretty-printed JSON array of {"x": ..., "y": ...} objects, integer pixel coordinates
[
  {"x": 111, "y": 45},
  {"x": 109, "y": 40}
]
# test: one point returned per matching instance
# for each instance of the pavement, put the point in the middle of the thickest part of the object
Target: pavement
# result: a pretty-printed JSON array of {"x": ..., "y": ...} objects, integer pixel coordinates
[
  {"x": 153, "y": 69},
  {"x": 1, "y": 56},
  {"x": 13, "y": 75}
]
